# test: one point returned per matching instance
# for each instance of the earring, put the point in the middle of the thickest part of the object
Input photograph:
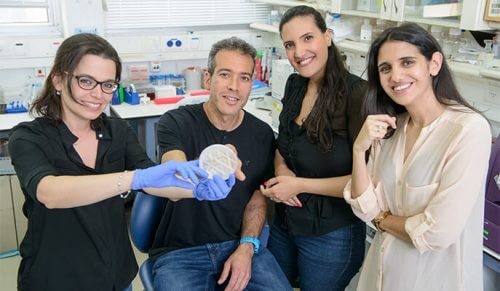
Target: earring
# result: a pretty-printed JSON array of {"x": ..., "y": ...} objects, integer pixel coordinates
[{"x": 58, "y": 93}]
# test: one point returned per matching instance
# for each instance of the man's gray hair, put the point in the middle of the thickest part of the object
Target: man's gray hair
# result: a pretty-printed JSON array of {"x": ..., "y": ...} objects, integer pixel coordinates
[{"x": 230, "y": 44}]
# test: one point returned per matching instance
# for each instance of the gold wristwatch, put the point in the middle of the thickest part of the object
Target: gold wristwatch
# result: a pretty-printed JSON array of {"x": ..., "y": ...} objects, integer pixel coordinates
[{"x": 376, "y": 221}]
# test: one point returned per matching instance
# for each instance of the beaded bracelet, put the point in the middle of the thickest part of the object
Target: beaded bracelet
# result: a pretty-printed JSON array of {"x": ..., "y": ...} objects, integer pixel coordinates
[{"x": 119, "y": 186}]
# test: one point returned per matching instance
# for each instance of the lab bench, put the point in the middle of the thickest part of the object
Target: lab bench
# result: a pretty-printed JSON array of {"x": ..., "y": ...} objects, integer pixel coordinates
[
  {"x": 13, "y": 223},
  {"x": 146, "y": 116}
]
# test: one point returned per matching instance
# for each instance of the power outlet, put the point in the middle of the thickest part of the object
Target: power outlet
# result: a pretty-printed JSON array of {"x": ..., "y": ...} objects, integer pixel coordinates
[
  {"x": 40, "y": 72},
  {"x": 155, "y": 67}
]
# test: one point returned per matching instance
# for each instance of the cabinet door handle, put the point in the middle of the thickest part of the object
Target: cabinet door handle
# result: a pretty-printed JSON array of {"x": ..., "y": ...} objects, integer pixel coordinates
[
  {"x": 385, "y": 6},
  {"x": 395, "y": 6}
]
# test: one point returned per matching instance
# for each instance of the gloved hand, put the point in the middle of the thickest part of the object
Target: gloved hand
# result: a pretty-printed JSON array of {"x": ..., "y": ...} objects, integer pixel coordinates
[
  {"x": 213, "y": 189},
  {"x": 164, "y": 175}
]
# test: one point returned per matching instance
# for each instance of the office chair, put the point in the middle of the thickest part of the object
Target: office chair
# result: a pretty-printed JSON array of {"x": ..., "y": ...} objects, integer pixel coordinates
[{"x": 144, "y": 220}]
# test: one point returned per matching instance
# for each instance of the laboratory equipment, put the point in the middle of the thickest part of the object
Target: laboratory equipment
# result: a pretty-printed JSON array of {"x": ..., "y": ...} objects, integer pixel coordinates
[
  {"x": 437, "y": 33},
  {"x": 368, "y": 5},
  {"x": 452, "y": 43},
  {"x": 274, "y": 18},
  {"x": 491, "y": 234},
  {"x": 281, "y": 70},
  {"x": 486, "y": 56},
  {"x": 381, "y": 25},
  {"x": 218, "y": 160},
  {"x": 193, "y": 76},
  {"x": 366, "y": 32}
]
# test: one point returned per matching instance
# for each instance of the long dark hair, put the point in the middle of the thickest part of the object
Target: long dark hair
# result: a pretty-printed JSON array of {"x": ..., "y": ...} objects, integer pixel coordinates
[
  {"x": 333, "y": 89},
  {"x": 378, "y": 102},
  {"x": 68, "y": 56}
]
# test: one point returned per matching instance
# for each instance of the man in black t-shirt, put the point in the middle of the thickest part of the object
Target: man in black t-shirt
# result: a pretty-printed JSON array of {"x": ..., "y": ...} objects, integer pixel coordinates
[{"x": 211, "y": 245}]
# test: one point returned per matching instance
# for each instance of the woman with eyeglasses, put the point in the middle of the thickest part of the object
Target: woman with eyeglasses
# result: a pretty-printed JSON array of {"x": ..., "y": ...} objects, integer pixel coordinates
[{"x": 74, "y": 164}]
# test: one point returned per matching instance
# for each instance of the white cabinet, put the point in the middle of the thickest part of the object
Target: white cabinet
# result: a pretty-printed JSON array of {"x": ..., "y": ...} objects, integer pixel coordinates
[
  {"x": 13, "y": 223},
  {"x": 466, "y": 14}
]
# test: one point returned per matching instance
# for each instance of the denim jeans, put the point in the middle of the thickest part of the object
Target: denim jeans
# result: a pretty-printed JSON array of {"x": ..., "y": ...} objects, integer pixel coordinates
[
  {"x": 199, "y": 268},
  {"x": 326, "y": 262}
]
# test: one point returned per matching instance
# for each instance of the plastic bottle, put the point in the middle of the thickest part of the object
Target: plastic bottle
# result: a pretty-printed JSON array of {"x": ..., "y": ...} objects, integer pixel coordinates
[
  {"x": 366, "y": 32},
  {"x": 452, "y": 43},
  {"x": 274, "y": 18},
  {"x": 258, "y": 67},
  {"x": 381, "y": 25}
]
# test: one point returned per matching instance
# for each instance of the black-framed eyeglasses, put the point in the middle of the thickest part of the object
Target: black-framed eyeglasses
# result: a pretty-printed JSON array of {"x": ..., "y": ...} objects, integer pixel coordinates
[{"x": 86, "y": 82}]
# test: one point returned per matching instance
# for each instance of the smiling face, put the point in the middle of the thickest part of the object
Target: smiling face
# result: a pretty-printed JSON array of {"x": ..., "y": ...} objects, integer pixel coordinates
[
  {"x": 405, "y": 74},
  {"x": 80, "y": 104},
  {"x": 306, "y": 46},
  {"x": 230, "y": 83}
]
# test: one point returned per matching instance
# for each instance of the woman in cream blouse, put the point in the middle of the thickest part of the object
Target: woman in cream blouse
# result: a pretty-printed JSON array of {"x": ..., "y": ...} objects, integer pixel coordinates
[{"x": 424, "y": 184}]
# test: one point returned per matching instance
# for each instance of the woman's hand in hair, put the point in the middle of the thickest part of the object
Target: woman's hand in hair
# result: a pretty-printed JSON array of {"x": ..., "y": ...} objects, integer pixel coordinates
[{"x": 374, "y": 128}]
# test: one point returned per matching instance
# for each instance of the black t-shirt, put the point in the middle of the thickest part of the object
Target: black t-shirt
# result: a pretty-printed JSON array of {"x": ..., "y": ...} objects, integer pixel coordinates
[
  {"x": 319, "y": 214},
  {"x": 80, "y": 248},
  {"x": 189, "y": 222}
]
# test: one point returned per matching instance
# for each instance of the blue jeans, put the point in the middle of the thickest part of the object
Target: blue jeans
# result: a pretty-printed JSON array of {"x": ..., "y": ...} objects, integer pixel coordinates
[
  {"x": 326, "y": 262},
  {"x": 199, "y": 268}
]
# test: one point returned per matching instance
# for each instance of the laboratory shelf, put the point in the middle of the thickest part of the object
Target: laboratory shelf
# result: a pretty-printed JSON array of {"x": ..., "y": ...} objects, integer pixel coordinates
[
  {"x": 286, "y": 3},
  {"x": 264, "y": 27},
  {"x": 434, "y": 21},
  {"x": 353, "y": 46},
  {"x": 360, "y": 13}
]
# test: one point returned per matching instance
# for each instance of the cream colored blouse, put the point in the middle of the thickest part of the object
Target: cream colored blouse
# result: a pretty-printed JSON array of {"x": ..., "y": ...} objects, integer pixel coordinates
[{"x": 440, "y": 188}]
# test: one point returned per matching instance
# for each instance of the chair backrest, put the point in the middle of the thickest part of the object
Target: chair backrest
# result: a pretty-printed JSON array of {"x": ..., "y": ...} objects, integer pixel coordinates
[{"x": 144, "y": 220}]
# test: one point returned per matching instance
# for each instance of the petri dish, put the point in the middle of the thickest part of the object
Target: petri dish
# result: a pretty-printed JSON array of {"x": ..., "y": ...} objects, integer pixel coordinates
[{"x": 219, "y": 160}]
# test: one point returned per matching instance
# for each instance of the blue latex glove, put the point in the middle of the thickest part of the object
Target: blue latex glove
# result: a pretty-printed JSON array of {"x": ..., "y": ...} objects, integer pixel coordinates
[
  {"x": 164, "y": 175},
  {"x": 213, "y": 189}
]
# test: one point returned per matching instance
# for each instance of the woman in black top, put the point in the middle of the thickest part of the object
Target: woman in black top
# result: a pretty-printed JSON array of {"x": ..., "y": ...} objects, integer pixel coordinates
[
  {"x": 315, "y": 236},
  {"x": 72, "y": 164}
]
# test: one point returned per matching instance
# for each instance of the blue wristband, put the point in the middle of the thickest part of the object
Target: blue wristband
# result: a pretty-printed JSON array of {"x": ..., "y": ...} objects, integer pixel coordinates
[{"x": 252, "y": 240}]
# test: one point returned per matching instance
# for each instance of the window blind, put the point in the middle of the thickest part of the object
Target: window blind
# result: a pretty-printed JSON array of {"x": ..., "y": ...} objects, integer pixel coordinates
[{"x": 123, "y": 15}]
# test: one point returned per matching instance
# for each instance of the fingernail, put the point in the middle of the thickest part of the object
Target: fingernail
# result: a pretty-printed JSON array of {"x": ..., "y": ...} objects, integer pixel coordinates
[{"x": 266, "y": 183}]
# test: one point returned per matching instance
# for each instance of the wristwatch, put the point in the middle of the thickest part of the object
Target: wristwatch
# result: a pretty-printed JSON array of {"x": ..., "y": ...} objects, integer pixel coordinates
[
  {"x": 376, "y": 221},
  {"x": 252, "y": 240}
]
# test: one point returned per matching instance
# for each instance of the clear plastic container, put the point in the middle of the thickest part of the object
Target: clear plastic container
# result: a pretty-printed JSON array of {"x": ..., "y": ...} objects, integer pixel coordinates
[
  {"x": 218, "y": 159},
  {"x": 437, "y": 33},
  {"x": 380, "y": 26},
  {"x": 452, "y": 43},
  {"x": 366, "y": 32},
  {"x": 274, "y": 18}
]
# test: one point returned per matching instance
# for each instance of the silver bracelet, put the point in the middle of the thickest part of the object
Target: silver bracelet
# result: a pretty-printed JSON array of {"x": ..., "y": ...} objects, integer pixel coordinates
[{"x": 119, "y": 186}]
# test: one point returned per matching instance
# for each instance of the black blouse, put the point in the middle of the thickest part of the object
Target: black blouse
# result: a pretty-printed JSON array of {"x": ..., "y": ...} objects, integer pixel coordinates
[
  {"x": 79, "y": 248},
  {"x": 319, "y": 214}
]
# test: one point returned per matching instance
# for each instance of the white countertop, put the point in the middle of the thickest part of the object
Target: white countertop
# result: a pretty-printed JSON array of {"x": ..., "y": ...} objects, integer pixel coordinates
[
  {"x": 127, "y": 111},
  {"x": 9, "y": 120}
]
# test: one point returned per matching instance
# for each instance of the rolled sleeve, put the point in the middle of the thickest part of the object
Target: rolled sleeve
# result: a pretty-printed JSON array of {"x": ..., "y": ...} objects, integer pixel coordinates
[
  {"x": 30, "y": 163},
  {"x": 366, "y": 206},
  {"x": 416, "y": 226}
]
